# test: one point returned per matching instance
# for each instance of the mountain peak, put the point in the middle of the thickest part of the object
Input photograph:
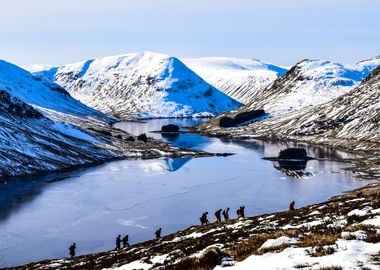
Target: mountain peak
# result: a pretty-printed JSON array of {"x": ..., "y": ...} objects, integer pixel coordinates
[{"x": 142, "y": 85}]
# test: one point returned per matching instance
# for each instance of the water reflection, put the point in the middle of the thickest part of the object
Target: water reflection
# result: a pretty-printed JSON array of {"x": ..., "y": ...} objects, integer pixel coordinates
[
  {"x": 16, "y": 192},
  {"x": 293, "y": 165},
  {"x": 163, "y": 165},
  {"x": 174, "y": 164},
  {"x": 41, "y": 216}
]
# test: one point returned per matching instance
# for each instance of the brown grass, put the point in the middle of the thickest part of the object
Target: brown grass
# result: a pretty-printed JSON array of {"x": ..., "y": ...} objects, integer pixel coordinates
[
  {"x": 211, "y": 258},
  {"x": 312, "y": 240},
  {"x": 251, "y": 245}
]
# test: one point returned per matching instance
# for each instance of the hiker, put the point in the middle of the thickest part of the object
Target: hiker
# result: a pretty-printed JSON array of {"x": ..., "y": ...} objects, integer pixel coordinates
[
  {"x": 217, "y": 215},
  {"x": 291, "y": 206},
  {"x": 72, "y": 250},
  {"x": 158, "y": 233},
  {"x": 225, "y": 214},
  {"x": 118, "y": 242},
  {"x": 125, "y": 241},
  {"x": 242, "y": 214},
  {"x": 203, "y": 218},
  {"x": 238, "y": 213}
]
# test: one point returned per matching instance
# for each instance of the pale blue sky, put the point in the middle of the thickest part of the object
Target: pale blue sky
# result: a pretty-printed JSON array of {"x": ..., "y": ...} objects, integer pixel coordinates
[{"x": 282, "y": 31}]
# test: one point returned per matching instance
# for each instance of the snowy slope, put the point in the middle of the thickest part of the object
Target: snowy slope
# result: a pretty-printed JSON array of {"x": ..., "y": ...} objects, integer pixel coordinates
[
  {"x": 45, "y": 95},
  {"x": 352, "y": 117},
  {"x": 310, "y": 83},
  {"x": 350, "y": 121},
  {"x": 42, "y": 128},
  {"x": 144, "y": 85},
  {"x": 38, "y": 128},
  {"x": 241, "y": 79}
]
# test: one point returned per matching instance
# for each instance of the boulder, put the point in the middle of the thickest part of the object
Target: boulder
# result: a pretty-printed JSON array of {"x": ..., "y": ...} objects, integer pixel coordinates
[
  {"x": 142, "y": 137},
  {"x": 293, "y": 153},
  {"x": 170, "y": 128}
]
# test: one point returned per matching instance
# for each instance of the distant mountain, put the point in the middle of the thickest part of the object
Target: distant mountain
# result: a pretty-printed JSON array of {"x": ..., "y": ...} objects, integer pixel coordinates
[
  {"x": 310, "y": 83},
  {"x": 241, "y": 79},
  {"x": 141, "y": 85}
]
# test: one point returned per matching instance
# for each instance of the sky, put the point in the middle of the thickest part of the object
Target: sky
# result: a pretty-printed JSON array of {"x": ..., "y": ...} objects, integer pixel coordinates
[{"x": 277, "y": 31}]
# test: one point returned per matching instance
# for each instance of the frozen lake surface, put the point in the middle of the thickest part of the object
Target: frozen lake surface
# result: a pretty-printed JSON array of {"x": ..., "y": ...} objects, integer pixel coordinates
[{"x": 41, "y": 216}]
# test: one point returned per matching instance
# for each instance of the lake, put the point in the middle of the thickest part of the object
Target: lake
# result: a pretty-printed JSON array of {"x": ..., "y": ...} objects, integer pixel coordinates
[{"x": 41, "y": 216}]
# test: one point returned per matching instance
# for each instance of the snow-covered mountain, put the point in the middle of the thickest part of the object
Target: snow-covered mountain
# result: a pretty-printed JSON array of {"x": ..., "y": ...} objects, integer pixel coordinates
[
  {"x": 44, "y": 95},
  {"x": 310, "y": 83},
  {"x": 241, "y": 79},
  {"x": 42, "y": 128},
  {"x": 352, "y": 119},
  {"x": 143, "y": 85},
  {"x": 37, "y": 128}
]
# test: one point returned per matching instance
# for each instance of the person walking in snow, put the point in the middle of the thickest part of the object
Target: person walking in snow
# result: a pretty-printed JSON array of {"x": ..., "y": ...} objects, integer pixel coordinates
[
  {"x": 118, "y": 242},
  {"x": 72, "y": 250},
  {"x": 226, "y": 214},
  {"x": 158, "y": 233},
  {"x": 242, "y": 214},
  {"x": 204, "y": 219},
  {"x": 218, "y": 216},
  {"x": 291, "y": 205},
  {"x": 125, "y": 241}
]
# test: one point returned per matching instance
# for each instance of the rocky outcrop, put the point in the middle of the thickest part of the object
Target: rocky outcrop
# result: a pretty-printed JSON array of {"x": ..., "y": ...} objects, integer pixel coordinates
[
  {"x": 241, "y": 118},
  {"x": 170, "y": 129}
]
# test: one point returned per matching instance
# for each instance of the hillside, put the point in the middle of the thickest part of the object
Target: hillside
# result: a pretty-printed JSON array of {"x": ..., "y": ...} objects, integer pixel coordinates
[
  {"x": 140, "y": 85},
  {"x": 42, "y": 128},
  {"x": 241, "y": 79},
  {"x": 349, "y": 121},
  {"x": 313, "y": 237},
  {"x": 310, "y": 83}
]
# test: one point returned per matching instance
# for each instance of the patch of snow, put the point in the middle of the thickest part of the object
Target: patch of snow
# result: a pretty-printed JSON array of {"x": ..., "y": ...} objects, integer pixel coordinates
[
  {"x": 350, "y": 254},
  {"x": 306, "y": 225},
  {"x": 273, "y": 243},
  {"x": 360, "y": 213},
  {"x": 373, "y": 221},
  {"x": 359, "y": 235}
]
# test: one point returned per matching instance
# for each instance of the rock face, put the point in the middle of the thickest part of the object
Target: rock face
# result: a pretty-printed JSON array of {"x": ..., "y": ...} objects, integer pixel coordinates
[
  {"x": 141, "y": 85},
  {"x": 241, "y": 79},
  {"x": 14, "y": 106}
]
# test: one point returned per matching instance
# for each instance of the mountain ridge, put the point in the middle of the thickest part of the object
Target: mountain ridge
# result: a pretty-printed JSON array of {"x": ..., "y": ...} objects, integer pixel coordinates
[{"x": 142, "y": 85}]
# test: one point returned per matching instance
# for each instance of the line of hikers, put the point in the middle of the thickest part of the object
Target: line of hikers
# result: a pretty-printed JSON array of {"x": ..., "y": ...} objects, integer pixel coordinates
[{"x": 218, "y": 215}]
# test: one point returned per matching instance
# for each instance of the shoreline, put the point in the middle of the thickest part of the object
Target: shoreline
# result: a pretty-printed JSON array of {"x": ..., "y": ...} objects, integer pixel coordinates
[
  {"x": 236, "y": 232},
  {"x": 102, "y": 260}
]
